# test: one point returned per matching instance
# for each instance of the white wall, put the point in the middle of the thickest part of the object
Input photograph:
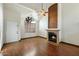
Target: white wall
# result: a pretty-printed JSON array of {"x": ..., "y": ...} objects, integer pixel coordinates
[
  {"x": 43, "y": 26},
  {"x": 70, "y": 23},
  {"x": 1, "y": 26},
  {"x": 23, "y": 33},
  {"x": 11, "y": 18}
]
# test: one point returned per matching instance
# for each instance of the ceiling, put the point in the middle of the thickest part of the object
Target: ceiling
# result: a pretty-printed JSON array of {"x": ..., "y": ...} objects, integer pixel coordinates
[
  {"x": 37, "y": 6},
  {"x": 17, "y": 8}
]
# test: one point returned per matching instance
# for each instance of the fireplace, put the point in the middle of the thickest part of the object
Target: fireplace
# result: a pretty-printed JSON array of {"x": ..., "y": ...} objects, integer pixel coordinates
[{"x": 52, "y": 37}]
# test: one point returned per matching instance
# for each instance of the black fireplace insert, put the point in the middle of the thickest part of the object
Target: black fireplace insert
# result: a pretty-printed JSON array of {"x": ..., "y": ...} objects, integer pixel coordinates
[{"x": 52, "y": 37}]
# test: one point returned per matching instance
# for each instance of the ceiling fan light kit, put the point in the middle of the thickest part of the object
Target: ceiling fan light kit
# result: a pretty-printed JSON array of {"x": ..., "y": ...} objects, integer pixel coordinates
[{"x": 43, "y": 12}]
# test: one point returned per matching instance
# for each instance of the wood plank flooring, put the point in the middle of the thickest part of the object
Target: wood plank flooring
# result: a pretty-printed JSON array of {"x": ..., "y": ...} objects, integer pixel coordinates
[{"x": 38, "y": 47}]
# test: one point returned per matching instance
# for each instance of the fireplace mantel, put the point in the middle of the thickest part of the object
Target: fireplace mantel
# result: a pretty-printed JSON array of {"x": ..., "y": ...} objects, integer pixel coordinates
[{"x": 52, "y": 29}]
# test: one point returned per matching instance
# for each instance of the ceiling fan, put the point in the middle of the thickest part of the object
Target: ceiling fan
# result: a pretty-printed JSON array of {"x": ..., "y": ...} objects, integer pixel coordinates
[{"x": 42, "y": 11}]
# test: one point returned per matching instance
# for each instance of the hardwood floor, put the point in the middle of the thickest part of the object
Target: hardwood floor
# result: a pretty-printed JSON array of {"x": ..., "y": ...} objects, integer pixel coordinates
[{"x": 38, "y": 47}]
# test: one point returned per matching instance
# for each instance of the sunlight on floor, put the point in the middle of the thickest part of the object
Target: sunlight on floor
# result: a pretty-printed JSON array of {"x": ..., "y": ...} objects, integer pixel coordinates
[{"x": 31, "y": 52}]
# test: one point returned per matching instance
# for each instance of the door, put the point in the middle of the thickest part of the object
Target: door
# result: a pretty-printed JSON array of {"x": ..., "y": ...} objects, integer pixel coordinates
[{"x": 12, "y": 31}]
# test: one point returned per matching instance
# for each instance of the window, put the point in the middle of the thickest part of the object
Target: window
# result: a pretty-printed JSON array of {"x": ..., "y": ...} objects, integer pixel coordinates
[{"x": 30, "y": 25}]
